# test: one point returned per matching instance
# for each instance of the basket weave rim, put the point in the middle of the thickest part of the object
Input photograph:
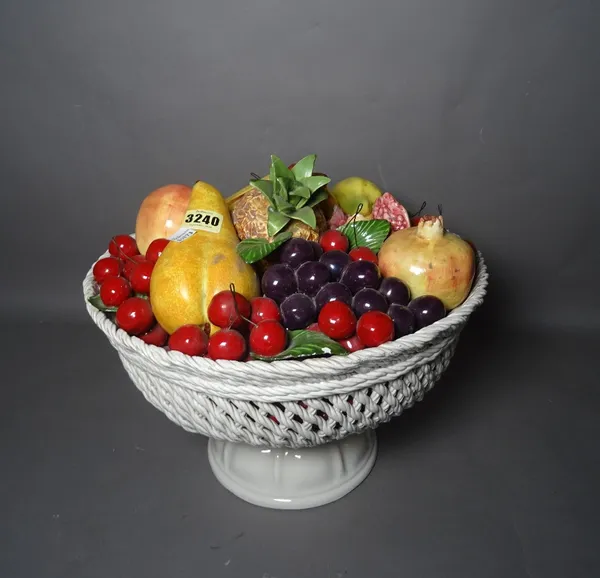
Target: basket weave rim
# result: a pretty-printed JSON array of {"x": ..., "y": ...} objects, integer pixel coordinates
[{"x": 308, "y": 367}]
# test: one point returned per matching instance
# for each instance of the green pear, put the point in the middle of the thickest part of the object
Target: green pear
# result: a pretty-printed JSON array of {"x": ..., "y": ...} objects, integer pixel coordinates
[{"x": 352, "y": 191}]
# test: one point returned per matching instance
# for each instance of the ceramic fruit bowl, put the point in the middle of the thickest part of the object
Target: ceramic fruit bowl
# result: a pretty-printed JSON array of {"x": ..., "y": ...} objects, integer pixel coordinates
[{"x": 292, "y": 434}]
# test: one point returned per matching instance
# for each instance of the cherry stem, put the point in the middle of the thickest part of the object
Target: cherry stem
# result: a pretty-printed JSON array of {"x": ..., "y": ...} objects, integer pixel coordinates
[
  {"x": 114, "y": 240},
  {"x": 235, "y": 306},
  {"x": 353, "y": 220},
  {"x": 440, "y": 209},
  {"x": 255, "y": 176},
  {"x": 418, "y": 213}
]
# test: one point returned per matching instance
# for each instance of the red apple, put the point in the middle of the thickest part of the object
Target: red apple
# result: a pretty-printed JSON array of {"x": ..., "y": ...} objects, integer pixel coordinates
[{"x": 160, "y": 214}]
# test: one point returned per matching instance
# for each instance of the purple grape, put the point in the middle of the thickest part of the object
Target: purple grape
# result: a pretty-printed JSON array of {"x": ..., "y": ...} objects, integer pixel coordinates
[
  {"x": 298, "y": 311},
  {"x": 427, "y": 309},
  {"x": 335, "y": 261},
  {"x": 311, "y": 277},
  {"x": 333, "y": 292},
  {"x": 395, "y": 291},
  {"x": 360, "y": 274},
  {"x": 317, "y": 250},
  {"x": 295, "y": 252},
  {"x": 369, "y": 299},
  {"x": 278, "y": 282},
  {"x": 403, "y": 318}
]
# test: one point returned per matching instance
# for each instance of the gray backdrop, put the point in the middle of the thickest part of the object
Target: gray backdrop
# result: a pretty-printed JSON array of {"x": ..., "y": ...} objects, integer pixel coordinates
[{"x": 486, "y": 106}]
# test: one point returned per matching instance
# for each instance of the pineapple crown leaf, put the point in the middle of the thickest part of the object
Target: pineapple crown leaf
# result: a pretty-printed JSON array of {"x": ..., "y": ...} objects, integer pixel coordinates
[{"x": 292, "y": 193}]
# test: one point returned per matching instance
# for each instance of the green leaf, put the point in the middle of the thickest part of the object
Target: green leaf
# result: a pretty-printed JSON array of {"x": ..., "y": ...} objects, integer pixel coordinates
[
  {"x": 276, "y": 222},
  {"x": 369, "y": 234},
  {"x": 315, "y": 182},
  {"x": 97, "y": 302},
  {"x": 284, "y": 185},
  {"x": 304, "y": 167},
  {"x": 301, "y": 191},
  {"x": 272, "y": 174},
  {"x": 317, "y": 198},
  {"x": 281, "y": 169},
  {"x": 306, "y": 215},
  {"x": 282, "y": 204},
  {"x": 304, "y": 343},
  {"x": 265, "y": 187},
  {"x": 253, "y": 250}
]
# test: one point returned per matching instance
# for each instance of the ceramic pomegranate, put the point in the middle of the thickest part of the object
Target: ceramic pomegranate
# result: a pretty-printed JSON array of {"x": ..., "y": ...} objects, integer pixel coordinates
[{"x": 430, "y": 260}]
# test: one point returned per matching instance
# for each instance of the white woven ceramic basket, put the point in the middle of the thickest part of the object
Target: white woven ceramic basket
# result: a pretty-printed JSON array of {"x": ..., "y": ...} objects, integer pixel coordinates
[{"x": 292, "y": 404}]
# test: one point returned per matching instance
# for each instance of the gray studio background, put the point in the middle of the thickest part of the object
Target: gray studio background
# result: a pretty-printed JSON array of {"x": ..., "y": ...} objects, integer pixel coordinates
[{"x": 486, "y": 106}]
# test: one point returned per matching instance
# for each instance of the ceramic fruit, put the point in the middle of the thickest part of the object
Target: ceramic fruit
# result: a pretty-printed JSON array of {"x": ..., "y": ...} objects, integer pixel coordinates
[
  {"x": 375, "y": 328},
  {"x": 388, "y": 208},
  {"x": 107, "y": 267},
  {"x": 287, "y": 201},
  {"x": 135, "y": 316},
  {"x": 155, "y": 249},
  {"x": 426, "y": 309},
  {"x": 114, "y": 290},
  {"x": 155, "y": 336},
  {"x": 264, "y": 309},
  {"x": 229, "y": 309},
  {"x": 227, "y": 344},
  {"x": 189, "y": 273},
  {"x": 337, "y": 320},
  {"x": 160, "y": 214},
  {"x": 334, "y": 241},
  {"x": 354, "y": 191},
  {"x": 430, "y": 261},
  {"x": 122, "y": 247},
  {"x": 189, "y": 339},
  {"x": 267, "y": 338}
]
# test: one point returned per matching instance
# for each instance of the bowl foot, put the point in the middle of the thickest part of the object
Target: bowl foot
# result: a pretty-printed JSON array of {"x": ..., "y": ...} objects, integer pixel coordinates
[{"x": 293, "y": 479}]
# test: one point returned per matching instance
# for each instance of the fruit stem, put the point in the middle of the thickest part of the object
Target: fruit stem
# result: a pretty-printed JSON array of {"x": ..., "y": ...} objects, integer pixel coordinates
[
  {"x": 235, "y": 307},
  {"x": 418, "y": 213},
  {"x": 353, "y": 219}
]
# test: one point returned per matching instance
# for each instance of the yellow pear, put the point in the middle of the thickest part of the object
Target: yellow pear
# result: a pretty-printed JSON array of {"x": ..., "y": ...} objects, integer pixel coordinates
[{"x": 191, "y": 271}]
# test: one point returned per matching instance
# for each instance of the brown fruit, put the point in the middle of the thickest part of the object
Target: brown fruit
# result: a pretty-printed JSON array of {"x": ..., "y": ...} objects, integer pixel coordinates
[{"x": 250, "y": 215}]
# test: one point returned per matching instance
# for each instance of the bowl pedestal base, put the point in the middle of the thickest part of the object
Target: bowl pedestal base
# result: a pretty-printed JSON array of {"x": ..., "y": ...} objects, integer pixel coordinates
[{"x": 293, "y": 479}]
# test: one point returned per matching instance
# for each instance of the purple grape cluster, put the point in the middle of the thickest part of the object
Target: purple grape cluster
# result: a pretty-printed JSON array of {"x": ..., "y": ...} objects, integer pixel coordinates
[{"x": 306, "y": 278}]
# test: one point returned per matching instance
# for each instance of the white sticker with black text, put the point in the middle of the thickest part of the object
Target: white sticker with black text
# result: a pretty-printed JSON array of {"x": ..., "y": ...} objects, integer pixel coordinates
[
  {"x": 182, "y": 235},
  {"x": 201, "y": 220}
]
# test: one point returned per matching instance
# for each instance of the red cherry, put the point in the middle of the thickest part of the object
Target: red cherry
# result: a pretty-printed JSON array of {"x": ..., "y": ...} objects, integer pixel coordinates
[
  {"x": 227, "y": 344},
  {"x": 351, "y": 344},
  {"x": 135, "y": 316},
  {"x": 415, "y": 221},
  {"x": 264, "y": 309},
  {"x": 222, "y": 309},
  {"x": 123, "y": 246},
  {"x": 375, "y": 328},
  {"x": 155, "y": 249},
  {"x": 130, "y": 264},
  {"x": 337, "y": 320},
  {"x": 313, "y": 327},
  {"x": 106, "y": 267},
  {"x": 334, "y": 241},
  {"x": 114, "y": 290},
  {"x": 140, "y": 277},
  {"x": 156, "y": 336},
  {"x": 363, "y": 254},
  {"x": 189, "y": 339},
  {"x": 268, "y": 338}
]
